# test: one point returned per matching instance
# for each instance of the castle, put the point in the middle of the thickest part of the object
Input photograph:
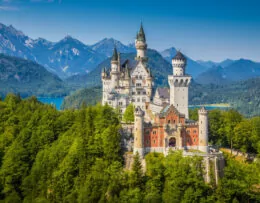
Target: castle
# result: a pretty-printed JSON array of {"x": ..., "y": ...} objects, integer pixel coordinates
[{"x": 161, "y": 118}]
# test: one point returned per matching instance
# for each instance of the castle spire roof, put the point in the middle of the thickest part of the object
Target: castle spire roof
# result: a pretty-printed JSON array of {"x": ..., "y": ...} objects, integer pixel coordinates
[
  {"x": 115, "y": 55},
  {"x": 179, "y": 56},
  {"x": 141, "y": 35}
]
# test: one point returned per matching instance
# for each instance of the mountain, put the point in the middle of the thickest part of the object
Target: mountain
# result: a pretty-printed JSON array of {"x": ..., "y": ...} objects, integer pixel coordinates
[
  {"x": 208, "y": 64},
  {"x": 193, "y": 68},
  {"x": 211, "y": 64},
  {"x": 241, "y": 69},
  {"x": 28, "y": 78},
  {"x": 69, "y": 57},
  {"x": 15, "y": 43},
  {"x": 64, "y": 58},
  {"x": 160, "y": 69},
  {"x": 107, "y": 45}
]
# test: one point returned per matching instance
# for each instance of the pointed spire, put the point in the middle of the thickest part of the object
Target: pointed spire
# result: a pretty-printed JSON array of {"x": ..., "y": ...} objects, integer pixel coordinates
[
  {"x": 141, "y": 35},
  {"x": 115, "y": 55}
]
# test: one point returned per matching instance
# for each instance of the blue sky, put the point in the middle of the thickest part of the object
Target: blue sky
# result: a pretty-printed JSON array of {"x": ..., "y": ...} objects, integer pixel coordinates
[{"x": 202, "y": 29}]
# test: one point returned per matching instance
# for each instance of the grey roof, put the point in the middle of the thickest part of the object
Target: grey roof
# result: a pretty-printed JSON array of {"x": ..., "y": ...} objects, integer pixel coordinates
[
  {"x": 179, "y": 56},
  {"x": 163, "y": 92},
  {"x": 115, "y": 55},
  {"x": 167, "y": 109},
  {"x": 141, "y": 35}
]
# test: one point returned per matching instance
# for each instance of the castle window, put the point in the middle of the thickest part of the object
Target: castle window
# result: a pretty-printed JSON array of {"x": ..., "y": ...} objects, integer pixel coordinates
[
  {"x": 138, "y": 100},
  {"x": 173, "y": 121},
  {"x": 201, "y": 122},
  {"x": 138, "y": 93},
  {"x": 144, "y": 93},
  {"x": 154, "y": 132},
  {"x": 194, "y": 131},
  {"x": 147, "y": 142},
  {"x": 120, "y": 103},
  {"x": 143, "y": 100},
  {"x": 140, "y": 77},
  {"x": 154, "y": 141},
  {"x": 188, "y": 131},
  {"x": 147, "y": 132},
  {"x": 194, "y": 140},
  {"x": 169, "y": 121},
  {"x": 133, "y": 100},
  {"x": 133, "y": 93}
]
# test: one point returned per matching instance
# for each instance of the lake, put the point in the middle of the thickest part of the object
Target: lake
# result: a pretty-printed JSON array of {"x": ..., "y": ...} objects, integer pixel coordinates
[{"x": 56, "y": 101}]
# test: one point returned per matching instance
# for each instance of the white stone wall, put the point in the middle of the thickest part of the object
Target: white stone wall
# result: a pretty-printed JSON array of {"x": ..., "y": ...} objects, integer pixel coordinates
[
  {"x": 203, "y": 130},
  {"x": 179, "y": 92}
]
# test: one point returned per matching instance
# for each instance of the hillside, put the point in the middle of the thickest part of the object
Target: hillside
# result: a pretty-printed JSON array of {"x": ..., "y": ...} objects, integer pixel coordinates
[
  {"x": 243, "y": 95},
  {"x": 241, "y": 69},
  {"x": 82, "y": 97},
  {"x": 160, "y": 70},
  {"x": 27, "y": 78}
]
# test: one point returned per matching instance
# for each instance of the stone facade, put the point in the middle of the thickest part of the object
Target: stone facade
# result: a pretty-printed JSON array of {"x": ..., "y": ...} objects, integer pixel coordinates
[{"x": 128, "y": 82}]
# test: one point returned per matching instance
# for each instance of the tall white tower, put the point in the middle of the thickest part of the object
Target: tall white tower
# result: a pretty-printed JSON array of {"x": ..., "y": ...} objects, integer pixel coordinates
[
  {"x": 140, "y": 45},
  {"x": 203, "y": 129},
  {"x": 138, "y": 132},
  {"x": 114, "y": 69},
  {"x": 179, "y": 84}
]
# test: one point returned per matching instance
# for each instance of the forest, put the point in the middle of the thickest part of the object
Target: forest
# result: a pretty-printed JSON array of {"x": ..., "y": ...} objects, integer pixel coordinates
[{"x": 75, "y": 156}]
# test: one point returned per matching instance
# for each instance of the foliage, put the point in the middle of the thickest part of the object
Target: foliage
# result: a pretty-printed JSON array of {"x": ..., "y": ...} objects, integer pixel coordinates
[
  {"x": 83, "y": 97},
  {"x": 75, "y": 156},
  {"x": 129, "y": 114}
]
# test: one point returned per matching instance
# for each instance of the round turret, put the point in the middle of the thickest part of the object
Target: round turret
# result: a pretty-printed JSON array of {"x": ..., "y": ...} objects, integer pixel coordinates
[
  {"x": 203, "y": 129},
  {"x": 179, "y": 63},
  {"x": 140, "y": 45},
  {"x": 138, "y": 132}
]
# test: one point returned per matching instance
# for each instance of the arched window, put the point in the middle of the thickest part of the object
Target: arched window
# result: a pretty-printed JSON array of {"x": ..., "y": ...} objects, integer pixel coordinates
[{"x": 172, "y": 142}]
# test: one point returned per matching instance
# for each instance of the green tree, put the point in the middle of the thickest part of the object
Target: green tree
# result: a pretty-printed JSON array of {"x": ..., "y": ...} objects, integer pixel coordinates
[{"x": 129, "y": 114}]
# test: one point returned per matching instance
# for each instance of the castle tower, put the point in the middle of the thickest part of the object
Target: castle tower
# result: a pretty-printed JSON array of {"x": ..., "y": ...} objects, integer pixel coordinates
[
  {"x": 140, "y": 45},
  {"x": 115, "y": 69},
  {"x": 179, "y": 84},
  {"x": 203, "y": 129},
  {"x": 149, "y": 83},
  {"x": 138, "y": 132}
]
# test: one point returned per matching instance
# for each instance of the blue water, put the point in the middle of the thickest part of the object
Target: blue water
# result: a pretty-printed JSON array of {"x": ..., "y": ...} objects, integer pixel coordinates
[
  {"x": 56, "y": 101},
  {"x": 210, "y": 107}
]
